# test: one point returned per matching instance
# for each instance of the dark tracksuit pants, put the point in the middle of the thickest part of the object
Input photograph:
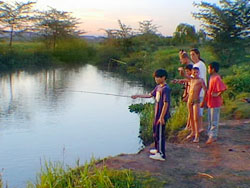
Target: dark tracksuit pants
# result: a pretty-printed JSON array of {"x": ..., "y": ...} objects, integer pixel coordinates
[{"x": 159, "y": 138}]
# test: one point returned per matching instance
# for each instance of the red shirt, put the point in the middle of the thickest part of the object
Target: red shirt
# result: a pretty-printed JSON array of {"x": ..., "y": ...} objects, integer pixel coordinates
[{"x": 215, "y": 85}]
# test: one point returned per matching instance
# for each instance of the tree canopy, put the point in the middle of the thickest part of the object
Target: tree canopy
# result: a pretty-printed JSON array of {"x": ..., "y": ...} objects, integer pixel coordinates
[
  {"x": 228, "y": 25},
  {"x": 16, "y": 17}
]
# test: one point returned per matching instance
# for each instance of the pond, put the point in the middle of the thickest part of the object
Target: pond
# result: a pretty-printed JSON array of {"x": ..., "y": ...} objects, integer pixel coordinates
[{"x": 49, "y": 115}]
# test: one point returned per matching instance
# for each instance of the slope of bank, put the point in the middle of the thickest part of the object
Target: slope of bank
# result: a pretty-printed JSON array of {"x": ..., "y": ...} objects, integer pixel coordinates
[{"x": 225, "y": 163}]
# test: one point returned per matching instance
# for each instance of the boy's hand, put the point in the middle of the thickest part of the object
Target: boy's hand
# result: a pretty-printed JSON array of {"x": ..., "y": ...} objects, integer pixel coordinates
[
  {"x": 202, "y": 104},
  {"x": 215, "y": 94},
  {"x": 161, "y": 121},
  {"x": 174, "y": 81},
  {"x": 134, "y": 96}
]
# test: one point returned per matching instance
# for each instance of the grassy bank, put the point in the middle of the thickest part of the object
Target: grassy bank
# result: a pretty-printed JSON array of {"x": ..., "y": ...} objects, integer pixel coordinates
[
  {"x": 26, "y": 55},
  {"x": 90, "y": 176}
]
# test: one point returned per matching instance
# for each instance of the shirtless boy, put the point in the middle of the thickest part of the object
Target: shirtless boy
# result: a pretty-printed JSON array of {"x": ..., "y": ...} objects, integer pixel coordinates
[{"x": 196, "y": 84}]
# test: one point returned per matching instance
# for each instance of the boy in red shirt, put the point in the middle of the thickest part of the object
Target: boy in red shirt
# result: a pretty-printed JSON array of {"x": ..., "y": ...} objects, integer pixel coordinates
[{"x": 214, "y": 101}]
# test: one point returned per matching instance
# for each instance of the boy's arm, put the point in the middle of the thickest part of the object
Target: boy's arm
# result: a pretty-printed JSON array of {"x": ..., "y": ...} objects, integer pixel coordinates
[
  {"x": 216, "y": 94},
  {"x": 205, "y": 91},
  {"x": 161, "y": 120},
  {"x": 141, "y": 96},
  {"x": 180, "y": 81}
]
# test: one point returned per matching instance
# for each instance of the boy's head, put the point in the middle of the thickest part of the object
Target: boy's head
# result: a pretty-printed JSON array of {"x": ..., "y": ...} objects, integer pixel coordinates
[
  {"x": 160, "y": 76},
  {"x": 184, "y": 59},
  {"x": 188, "y": 69},
  {"x": 195, "y": 72},
  {"x": 213, "y": 67}
]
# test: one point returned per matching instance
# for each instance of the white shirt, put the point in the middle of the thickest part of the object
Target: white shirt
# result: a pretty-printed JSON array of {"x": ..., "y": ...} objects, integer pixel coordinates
[{"x": 203, "y": 74}]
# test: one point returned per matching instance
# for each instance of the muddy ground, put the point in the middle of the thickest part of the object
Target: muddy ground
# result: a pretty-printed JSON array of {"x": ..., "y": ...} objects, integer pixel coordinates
[{"x": 225, "y": 163}]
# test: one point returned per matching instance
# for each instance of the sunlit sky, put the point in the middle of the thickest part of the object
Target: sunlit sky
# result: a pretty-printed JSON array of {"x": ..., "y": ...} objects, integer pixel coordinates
[{"x": 104, "y": 14}]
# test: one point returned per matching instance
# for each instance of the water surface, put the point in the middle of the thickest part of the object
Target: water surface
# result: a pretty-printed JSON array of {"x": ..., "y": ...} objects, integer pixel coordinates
[{"x": 44, "y": 116}]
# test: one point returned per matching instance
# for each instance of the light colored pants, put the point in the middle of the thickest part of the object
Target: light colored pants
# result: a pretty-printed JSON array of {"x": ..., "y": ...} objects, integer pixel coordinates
[
  {"x": 213, "y": 122},
  {"x": 201, "y": 109}
]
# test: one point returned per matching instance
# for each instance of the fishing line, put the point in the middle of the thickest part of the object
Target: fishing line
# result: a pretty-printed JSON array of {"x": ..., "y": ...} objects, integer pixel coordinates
[{"x": 100, "y": 93}]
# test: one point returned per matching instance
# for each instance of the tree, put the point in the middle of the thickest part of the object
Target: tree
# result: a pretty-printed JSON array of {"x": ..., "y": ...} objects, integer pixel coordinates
[
  {"x": 121, "y": 37},
  {"x": 54, "y": 25},
  {"x": 228, "y": 25},
  {"x": 147, "y": 27},
  {"x": 185, "y": 34},
  {"x": 16, "y": 18}
]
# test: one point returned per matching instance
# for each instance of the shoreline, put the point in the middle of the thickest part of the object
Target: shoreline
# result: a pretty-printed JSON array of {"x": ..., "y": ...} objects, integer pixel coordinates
[{"x": 221, "y": 164}]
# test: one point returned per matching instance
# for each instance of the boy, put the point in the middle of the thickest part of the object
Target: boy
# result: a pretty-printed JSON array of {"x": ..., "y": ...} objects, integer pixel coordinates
[
  {"x": 196, "y": 84},
  {"x": 161, "y": 93},
  {"x": 214, "y": 101},
  {"x": 186, "y": 83}
]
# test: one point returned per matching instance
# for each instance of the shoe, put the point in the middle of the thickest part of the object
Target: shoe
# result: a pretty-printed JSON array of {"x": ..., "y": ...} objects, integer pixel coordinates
[
  {"x": 157, "y": 156},
  {"x": 196, "y": 140},
  {"x": 210, "y": 140},
  {"x": 153, "y": 151}
]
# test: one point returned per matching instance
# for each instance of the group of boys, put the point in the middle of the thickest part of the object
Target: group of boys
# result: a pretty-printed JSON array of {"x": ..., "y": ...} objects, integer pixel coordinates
[{"x": 195, "y": 94}]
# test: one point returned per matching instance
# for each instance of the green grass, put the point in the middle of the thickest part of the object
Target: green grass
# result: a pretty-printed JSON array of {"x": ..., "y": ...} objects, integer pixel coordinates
[
  {"x": 174, "y": 124},
  {"x": 90, "y": 176}
]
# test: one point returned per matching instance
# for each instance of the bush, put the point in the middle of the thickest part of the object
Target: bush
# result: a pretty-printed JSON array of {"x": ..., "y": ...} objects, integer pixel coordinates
[
  {"x": 90, "y": 176},
  {"x": 178, "y": 119},
  {"x": 73, "y": 51}
]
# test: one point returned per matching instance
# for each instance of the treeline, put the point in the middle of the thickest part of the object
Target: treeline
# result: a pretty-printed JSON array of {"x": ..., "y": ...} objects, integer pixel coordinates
[
  {"x": 56, "y": 38},
  {"x": 225, "y": 35}
]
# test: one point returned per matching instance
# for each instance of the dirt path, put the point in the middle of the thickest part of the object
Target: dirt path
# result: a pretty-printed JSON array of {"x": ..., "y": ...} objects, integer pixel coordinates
[{"x": 225, "y": 163}]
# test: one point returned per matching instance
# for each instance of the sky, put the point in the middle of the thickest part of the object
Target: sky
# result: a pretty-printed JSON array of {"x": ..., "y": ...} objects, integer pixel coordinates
[{"x": 97, "y": 15}]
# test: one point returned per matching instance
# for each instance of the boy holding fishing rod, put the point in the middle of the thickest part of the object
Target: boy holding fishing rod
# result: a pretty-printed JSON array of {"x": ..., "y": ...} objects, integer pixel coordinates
[{"x": 161, "y": 93}]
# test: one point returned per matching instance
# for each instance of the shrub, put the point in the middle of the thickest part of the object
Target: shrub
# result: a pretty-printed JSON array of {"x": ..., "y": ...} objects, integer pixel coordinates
[
  {"x": 73, "y": 51},
  {"x": 90, "y": 176}
]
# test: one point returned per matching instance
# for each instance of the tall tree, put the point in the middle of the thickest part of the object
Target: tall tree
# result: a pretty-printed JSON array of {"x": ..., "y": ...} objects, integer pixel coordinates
[
  {"x": 147, "y": 27},
  {"x": 54, "y": 25},
  {"x": 228, "y": 25},
  {"x": 184, "y": 34},
  {"x": 16, "y": 18},
  {"x": 121, "y": 37}
]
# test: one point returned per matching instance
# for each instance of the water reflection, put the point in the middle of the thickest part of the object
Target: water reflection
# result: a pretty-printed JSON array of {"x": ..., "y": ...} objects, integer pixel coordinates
[{"x": 40, "y": 118}]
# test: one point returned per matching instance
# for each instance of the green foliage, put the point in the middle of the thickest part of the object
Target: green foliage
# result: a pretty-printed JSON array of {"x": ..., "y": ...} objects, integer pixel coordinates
[
  {"x": 107, "y": 52},
  {"x": 73, "y": 51},
  {"x": 229, "y": 27},
  {"x": 19, "y": 58},
  {"x": 185, "y": 34},
  {"x": 146, "y": 123},
  {"x": 16, "y": 17},
  {"x": 178, "y": 120},
  {"x": 238, "y": 81},
  {"x": 238, "y": 89},
  {"x": 1, "y": 181},
  {"x": 54, "y": 25},
  {"x": 91, "y": 176},
  {"x": 146, "y": 111},
  {"x": 236, "y": 108}
]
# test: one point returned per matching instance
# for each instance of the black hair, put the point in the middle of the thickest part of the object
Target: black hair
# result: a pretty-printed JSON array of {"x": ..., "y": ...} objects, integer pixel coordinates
[
  {"x": 189, "y": 67},
  {"x": 214, "y": 65},
  {"x": 181, "y": 50},
  {"x": 196, "y": 68},
  {"x": 160, "y": 73},
  {"x": 195, "y": 50}
]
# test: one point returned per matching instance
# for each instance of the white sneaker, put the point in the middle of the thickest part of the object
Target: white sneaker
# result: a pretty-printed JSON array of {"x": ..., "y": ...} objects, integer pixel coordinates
[
  {"x": 153, "y": 151},
  {"x": 157, "y": 156}
]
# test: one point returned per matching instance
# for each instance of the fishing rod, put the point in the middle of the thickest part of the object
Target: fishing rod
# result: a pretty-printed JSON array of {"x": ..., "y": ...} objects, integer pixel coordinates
[
  {"x": 99, "y": 93},
  {"x": 124, "y": 63}
]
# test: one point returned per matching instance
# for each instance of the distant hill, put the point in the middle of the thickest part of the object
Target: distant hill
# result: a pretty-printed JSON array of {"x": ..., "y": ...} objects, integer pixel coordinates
[
  {"x": 94, "y": 39},
  {"x": 29, "y": 36}
]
